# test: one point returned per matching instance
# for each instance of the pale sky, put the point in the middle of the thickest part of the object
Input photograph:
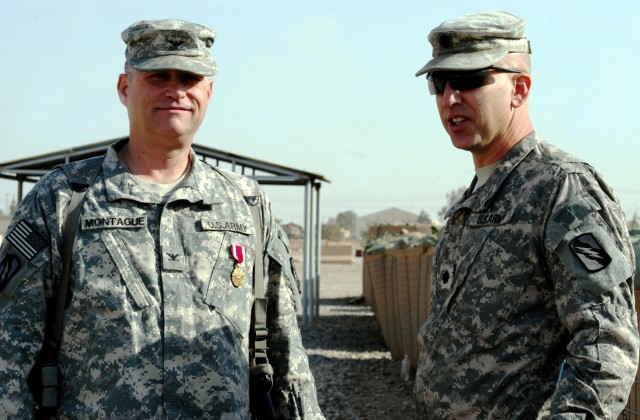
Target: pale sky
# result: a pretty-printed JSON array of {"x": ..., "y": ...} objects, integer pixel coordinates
[{"x": 327, "y": 87}]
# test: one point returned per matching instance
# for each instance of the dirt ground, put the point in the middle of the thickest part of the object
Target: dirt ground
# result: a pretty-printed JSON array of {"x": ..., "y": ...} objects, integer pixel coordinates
[{"x": 355, "y": 375}]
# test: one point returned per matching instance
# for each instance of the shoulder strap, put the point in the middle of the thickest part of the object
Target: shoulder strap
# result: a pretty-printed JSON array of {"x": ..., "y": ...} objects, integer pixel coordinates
[
  {"x": 48, "y": 358},
  {"x": 259, "y": 289},
  {"x": 260, "y": 370},
  {"x": 80, "y": 183}
]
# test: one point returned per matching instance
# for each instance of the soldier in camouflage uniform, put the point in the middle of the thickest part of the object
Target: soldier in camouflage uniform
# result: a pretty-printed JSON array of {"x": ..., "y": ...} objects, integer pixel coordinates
[
  {"x": 532, "y": 295},
  {"x": 157, "y": 327}
]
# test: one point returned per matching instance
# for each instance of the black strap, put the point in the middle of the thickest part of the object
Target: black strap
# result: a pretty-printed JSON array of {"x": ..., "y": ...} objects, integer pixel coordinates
[
  {"x": 260, "y": 296},
  {"x": 69, "y": 233},
  {"x": 49, "y": 378},
  {"x": 260, "y": 370},
  {"x": 258, "y": 341}
]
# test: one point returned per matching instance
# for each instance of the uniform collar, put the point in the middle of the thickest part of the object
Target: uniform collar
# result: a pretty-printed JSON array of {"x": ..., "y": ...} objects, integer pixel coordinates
[
  {"x": 120, "y": 185},
  {"x": 481, "y": 199}
]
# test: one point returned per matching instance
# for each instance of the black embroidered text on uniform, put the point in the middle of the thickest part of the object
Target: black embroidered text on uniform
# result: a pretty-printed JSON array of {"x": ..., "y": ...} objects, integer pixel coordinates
[
  {"x": 490, "y": 219},
  {"x": 224, "y": 225},
  {"x": 114, "y": 222}
]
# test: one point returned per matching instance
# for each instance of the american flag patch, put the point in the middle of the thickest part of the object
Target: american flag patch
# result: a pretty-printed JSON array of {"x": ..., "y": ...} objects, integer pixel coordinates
[{"x": 26, "y": 239}]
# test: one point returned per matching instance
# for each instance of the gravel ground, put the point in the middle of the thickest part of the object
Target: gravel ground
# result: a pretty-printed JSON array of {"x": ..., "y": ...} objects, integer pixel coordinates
[{"x": 355, "y": 375}]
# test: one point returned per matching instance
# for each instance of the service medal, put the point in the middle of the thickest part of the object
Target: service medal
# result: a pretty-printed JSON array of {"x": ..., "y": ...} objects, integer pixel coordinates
[
  {"x": 238, "y": 253},
  {"x": 237, "y": 276}
]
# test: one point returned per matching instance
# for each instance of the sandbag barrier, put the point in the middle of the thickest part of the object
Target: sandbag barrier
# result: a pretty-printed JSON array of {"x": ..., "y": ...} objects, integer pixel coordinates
[{"x": 397, "y": 285}]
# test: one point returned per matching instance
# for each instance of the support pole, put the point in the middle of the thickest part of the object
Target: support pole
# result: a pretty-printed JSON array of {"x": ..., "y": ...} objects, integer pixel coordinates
[
  {"x": 318, "y": 250},
  {"x": 20, "y": 189},
  {"x": 306, "y": 255},
  {"x": 312, "y": 252}
]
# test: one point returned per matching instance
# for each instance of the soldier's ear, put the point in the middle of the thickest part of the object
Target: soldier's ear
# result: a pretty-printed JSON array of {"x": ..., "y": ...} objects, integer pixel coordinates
[
  {"x": 522, "y": 85},
  {"x": 123, "y": 86},
  {"x": 210, "y": 80}
]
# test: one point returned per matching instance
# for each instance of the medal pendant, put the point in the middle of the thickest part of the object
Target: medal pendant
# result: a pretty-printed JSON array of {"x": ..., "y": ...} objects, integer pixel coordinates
[{"x": 237, "y": 276}]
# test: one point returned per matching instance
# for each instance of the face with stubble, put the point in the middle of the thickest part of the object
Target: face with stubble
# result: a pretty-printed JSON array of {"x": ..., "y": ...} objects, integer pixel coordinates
[{"x": 489, "y": 119}]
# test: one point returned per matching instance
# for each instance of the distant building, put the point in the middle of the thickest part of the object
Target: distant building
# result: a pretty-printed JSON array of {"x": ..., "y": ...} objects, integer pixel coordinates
[
  {"x": 293, "y": 231},
  {"x": 391, "y": 216}
]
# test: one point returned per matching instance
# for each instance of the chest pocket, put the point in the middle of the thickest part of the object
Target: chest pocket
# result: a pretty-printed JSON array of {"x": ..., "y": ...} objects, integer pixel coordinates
[
  {"x": 452, "y": 260},
  {"x": 130, "y": 275},
  {"x": 228, "y": 294},
  {"x": 488, "y": 288}
]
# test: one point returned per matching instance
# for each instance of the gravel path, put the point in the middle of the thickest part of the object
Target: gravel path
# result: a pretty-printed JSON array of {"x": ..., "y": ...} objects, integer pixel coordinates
[{"x": 355, "y": 375}]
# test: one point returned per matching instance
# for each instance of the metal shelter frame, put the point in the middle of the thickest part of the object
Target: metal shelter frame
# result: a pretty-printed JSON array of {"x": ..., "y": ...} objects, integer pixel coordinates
[{"x": 30, "y": 169}]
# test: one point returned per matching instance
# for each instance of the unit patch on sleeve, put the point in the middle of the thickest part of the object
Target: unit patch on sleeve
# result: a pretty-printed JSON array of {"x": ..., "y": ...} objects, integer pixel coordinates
[
  {"x": 9, "y": 266},
  {"x": 590, "y": 253},
  {"x": 26, "y": 239}
]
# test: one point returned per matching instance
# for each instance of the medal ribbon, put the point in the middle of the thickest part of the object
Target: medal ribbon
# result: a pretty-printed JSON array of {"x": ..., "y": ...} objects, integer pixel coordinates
[{"x": 238, "y": 252}]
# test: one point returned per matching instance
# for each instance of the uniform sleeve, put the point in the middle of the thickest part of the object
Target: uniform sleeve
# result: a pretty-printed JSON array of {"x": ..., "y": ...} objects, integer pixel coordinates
[
  {"x": 294, "y": 392},
  {"x": 25, "y": 277},
  {"x": 592, "y": 265}
]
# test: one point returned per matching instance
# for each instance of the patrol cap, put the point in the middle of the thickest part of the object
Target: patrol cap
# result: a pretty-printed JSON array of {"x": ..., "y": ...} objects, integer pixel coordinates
[
  {"x": 476, "y": 41},
  {"x": 170, "y": 44}
]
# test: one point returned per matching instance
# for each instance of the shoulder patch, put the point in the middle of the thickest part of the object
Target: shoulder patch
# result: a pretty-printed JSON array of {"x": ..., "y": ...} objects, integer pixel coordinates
[
  {"x": 26, "y": 239},
  {"x": 590, "y": 253},
  {"x": 9, "y": 266}
]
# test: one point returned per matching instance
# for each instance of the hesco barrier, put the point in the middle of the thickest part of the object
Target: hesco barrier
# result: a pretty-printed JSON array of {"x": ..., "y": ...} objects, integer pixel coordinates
[
  {"x": 397, "y": 284},
  {"x": 632, "y": 410}
]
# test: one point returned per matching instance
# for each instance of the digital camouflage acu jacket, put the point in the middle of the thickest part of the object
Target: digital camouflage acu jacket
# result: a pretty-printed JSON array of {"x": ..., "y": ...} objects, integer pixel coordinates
[
  {"x": 532, "y": 297},
  {"x": 156, "y": 327}
]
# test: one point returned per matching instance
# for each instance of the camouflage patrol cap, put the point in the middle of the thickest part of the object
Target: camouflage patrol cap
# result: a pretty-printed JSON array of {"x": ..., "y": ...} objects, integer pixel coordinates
[
  {"x": 476, "y": 41},
  {"x": 170, "y": 44}
]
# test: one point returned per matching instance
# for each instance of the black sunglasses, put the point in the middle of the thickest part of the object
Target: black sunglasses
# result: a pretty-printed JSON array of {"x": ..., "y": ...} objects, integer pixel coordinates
[{"x": 464, "y": 80}]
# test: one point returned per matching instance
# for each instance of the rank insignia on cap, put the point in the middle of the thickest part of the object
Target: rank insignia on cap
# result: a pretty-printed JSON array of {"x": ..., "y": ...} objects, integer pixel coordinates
[
  {"x": 26, "y": 239},
  {"x": 9, "y": 266},
  {"x": 446, "y": 41},
  {"x": 590, "y": 253}
]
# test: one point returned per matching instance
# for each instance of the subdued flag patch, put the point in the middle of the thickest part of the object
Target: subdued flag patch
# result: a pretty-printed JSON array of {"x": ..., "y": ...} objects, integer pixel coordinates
[{"x": 26, "y": 239}]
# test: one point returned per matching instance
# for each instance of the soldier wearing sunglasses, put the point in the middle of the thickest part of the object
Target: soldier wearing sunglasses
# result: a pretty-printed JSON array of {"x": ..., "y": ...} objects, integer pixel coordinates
[{"x": 532, "y": 292}]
